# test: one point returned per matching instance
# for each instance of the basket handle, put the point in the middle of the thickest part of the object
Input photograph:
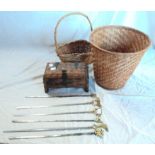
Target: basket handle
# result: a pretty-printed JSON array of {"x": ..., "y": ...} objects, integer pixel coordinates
[{"x": 59, "y": 21}]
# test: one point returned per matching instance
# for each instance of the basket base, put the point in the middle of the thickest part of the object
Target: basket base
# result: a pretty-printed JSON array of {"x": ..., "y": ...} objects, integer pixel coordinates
[{"x": 109, "y": 88}]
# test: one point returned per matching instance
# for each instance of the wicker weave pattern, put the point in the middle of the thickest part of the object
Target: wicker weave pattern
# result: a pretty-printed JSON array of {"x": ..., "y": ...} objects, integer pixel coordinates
[
  {"x": 117, "y": 51},
  {"x": 77, "y": 51}
]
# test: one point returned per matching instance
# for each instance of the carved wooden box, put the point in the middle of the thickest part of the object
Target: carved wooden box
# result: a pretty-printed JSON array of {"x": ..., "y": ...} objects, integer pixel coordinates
[{"x": 65, "y": 75}]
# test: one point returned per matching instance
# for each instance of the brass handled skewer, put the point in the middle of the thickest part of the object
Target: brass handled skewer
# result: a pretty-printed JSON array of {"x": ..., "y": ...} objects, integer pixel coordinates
[
  {"x": 98, "y": 131},
  {"x": 98, "y": 120},
  {"x": 98, "y": 125},
  {"x": 95, "y": 102},
  {"x": 97, "y": 111}
]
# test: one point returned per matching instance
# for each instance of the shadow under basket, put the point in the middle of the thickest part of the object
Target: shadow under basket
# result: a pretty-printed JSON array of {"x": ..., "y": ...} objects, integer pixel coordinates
[{"x": 117, "y": 50}]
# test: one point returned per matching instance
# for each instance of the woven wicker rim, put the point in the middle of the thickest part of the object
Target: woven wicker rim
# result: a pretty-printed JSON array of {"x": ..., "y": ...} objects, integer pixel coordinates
[
  {"x": 59, "y": 21},
  {"x": 69, "y": 54},
  {"x": 118, "y": 26}
]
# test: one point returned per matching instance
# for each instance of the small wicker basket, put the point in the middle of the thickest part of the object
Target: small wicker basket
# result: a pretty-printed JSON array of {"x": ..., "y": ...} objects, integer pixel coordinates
[
  {"x": 77, "y": 51},
  {"x": 117, "y": 51}
]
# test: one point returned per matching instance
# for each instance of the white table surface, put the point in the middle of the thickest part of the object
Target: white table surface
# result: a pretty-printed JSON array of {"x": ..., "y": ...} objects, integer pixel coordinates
[{"x": 130, "y": 119}]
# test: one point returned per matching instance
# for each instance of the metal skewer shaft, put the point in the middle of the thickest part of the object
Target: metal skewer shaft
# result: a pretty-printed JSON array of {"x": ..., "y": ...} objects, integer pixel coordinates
[
  {"x": 48, "y": 106},
  {"x": 46, "y": 121},
  {"x": 97, "y": 111},
  {"x": 51, "y": 136},
  {"x": 48, "y": 129},
  {"x": 3, "y": 143},
  {"x": 48, "y": 114},
  {"x": 70, "y": 95}
]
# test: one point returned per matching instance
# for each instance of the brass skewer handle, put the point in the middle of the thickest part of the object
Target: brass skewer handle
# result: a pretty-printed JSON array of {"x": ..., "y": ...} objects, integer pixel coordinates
[{"x": 99, "y": 132}]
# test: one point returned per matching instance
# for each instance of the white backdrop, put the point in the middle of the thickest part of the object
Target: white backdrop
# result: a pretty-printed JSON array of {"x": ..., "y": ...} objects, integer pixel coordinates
[
  {"x": 26, "y": 45},
  {"x": 36, "y": 28}
]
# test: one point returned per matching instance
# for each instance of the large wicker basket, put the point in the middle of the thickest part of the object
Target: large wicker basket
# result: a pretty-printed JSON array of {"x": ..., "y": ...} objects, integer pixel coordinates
[
  {"x": 117, "y": 51},
  {"x": 77, "y": 51}
]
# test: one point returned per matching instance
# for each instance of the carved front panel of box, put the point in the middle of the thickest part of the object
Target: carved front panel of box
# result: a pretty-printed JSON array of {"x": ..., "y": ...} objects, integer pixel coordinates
[{"x": 65, "y": 75}]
